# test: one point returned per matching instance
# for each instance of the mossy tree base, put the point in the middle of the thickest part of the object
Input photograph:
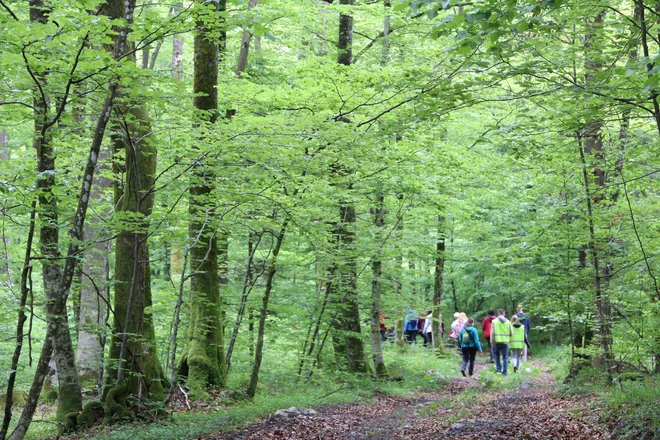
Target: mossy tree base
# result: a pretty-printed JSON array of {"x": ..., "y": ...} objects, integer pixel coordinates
[{"x": 200, "y": 364}]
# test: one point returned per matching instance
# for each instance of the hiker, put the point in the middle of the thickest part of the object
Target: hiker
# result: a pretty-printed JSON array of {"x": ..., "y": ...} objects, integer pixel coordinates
[
  {"x": 383, "y": 327},
  {"x": 469, "y": 339},
  {"x": 410, "y": 328},
  {"x": 427, "y": 330},
  {"x": 453, "y": 335},
  {"x": 486, "y": 325},
  {"x": 500, "y": 335},
  {"x": 420, "y": 326},
  {"x": 525, "y": 322},
  {"x": 517, "y": 342},
  {"x": 457, "y": 326}
]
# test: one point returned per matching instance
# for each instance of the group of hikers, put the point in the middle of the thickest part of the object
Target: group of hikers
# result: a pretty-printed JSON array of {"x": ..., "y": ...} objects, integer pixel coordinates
[{"x": 506, "y": 338}]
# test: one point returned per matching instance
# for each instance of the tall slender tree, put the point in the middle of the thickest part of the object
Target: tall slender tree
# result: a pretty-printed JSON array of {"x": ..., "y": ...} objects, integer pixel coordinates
[{"x": 203, "y": 360}]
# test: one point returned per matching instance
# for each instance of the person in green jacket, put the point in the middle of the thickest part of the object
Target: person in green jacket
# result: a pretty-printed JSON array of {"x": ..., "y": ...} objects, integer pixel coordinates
[
  {"x": 500, "y": 336},
  {"x": 469, "y": 340},
  {"x": 517, "y": 343}
]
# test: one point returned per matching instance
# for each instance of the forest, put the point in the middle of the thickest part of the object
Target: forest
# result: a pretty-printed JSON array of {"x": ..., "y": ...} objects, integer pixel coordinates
[{"x": 208, "y": 208}]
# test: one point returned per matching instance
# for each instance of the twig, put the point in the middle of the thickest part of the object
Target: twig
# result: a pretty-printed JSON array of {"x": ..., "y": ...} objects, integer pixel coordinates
[{"x": 186, "y": 396}]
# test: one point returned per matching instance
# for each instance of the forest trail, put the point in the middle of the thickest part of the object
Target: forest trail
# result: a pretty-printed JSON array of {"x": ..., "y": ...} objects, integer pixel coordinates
[{"x": 461, "y": 409}]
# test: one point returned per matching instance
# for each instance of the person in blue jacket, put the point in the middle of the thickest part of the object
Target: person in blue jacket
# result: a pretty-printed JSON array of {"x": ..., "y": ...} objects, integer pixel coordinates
[
  {"x": 410, "y": 328},
  {"x": 469, "y": 340}
]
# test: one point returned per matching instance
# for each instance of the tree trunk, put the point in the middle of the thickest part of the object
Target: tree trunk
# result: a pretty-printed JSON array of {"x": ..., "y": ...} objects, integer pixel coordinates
[
  {"x": 272, "y": 269},
  {"x": 245, "y": 45},
  {"x": 376, "y": 287},
  {"x": 593, "y": 146},
  {"x": 5, "y": 263},
  {"x": 70, "y": 396},
  {"x": 94, "y": 290},
  {"x": 22, "y": 317},
  {"x": 203, "y": 360},
  {"x": 177, "y": 47},
  {"x": 135, "y": 367},
  {"x": 350, "y": 338},
  {"x": 438, "y": 282}
]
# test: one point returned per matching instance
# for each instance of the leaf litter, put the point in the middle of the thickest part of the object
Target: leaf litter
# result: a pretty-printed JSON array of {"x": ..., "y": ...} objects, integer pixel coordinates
[{"x": 534, "y": 412}]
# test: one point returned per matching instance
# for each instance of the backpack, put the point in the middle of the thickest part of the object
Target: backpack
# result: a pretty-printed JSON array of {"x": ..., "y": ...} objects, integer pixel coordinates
[{"x": 466, "y": 337}]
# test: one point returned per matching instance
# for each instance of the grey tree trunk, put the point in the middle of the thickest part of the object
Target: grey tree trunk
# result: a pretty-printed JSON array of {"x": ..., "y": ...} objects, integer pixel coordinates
[
  {"x": 177, "y": 48},
  {"x": 69, "y": 396},
  {"x": 95, "y": 285},
  {"x": 349, "y": 339},
  {"x": 5, "y": 263},
  {"x": 245, "y": 46}
]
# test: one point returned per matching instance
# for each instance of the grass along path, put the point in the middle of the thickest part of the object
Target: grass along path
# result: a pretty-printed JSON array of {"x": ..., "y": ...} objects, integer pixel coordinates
[{"x": 489, "y": 406}]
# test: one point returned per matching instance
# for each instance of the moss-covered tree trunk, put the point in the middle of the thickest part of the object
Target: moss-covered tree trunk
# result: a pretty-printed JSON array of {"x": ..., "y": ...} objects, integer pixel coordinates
[
  {"x": 203, "y": 360},
  {"x": 135, "y": 368}
]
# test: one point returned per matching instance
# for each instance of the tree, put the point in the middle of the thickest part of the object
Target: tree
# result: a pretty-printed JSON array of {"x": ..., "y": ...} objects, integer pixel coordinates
[
  {"x": 134, "y": 368},
  {"x": 203, "y": 360}
]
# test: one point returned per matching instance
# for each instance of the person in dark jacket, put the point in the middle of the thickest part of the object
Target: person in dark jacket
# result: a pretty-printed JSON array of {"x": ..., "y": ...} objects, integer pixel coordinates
[
  {"x": 524, "y": 320},
  {"x": 469, "y": 340},
  {"x": 486, "y": 326}
]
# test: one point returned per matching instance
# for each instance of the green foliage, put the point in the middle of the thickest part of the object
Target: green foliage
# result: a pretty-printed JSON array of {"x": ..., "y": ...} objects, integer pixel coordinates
[
  {"x": 473, "y": 111},
  {"x": 632, "y": 408}
]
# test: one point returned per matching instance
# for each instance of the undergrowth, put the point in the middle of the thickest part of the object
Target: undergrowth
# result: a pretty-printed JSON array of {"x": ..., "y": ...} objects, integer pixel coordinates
[
  {"x": 632, "y": 408},
  {"x": 411, "y": 370}
]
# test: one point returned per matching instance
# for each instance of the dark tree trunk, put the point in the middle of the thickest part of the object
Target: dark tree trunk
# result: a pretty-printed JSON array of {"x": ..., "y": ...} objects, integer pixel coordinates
[
  {"x": 134, "y": 368},
  {"x": 376, "y": 288},
  {"x": 593, "y": 146},
  {"x": 272, "y": 269},
  {"x": 438, "y": 281},
  {"x": 349, "y": 339}
]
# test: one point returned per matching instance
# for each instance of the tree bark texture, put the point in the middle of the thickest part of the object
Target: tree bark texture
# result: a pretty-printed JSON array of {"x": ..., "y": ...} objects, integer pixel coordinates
[
  {"x": 345, "y": 42},
  {"x": 203, "y": 360},
  {"x": 70, "y": 396},
  {"x": 133, "y": 353},
  {"x": 177, "y": 48},
  {"x": 349, "y": 310}
]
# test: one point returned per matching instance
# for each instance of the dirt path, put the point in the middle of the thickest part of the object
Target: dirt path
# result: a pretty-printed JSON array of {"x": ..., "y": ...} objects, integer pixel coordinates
[{"x": 460, "y": 410}]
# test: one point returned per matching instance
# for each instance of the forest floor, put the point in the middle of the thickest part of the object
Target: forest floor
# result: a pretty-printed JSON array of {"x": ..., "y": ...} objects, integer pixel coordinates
[{"x": 462, "y": 408}]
